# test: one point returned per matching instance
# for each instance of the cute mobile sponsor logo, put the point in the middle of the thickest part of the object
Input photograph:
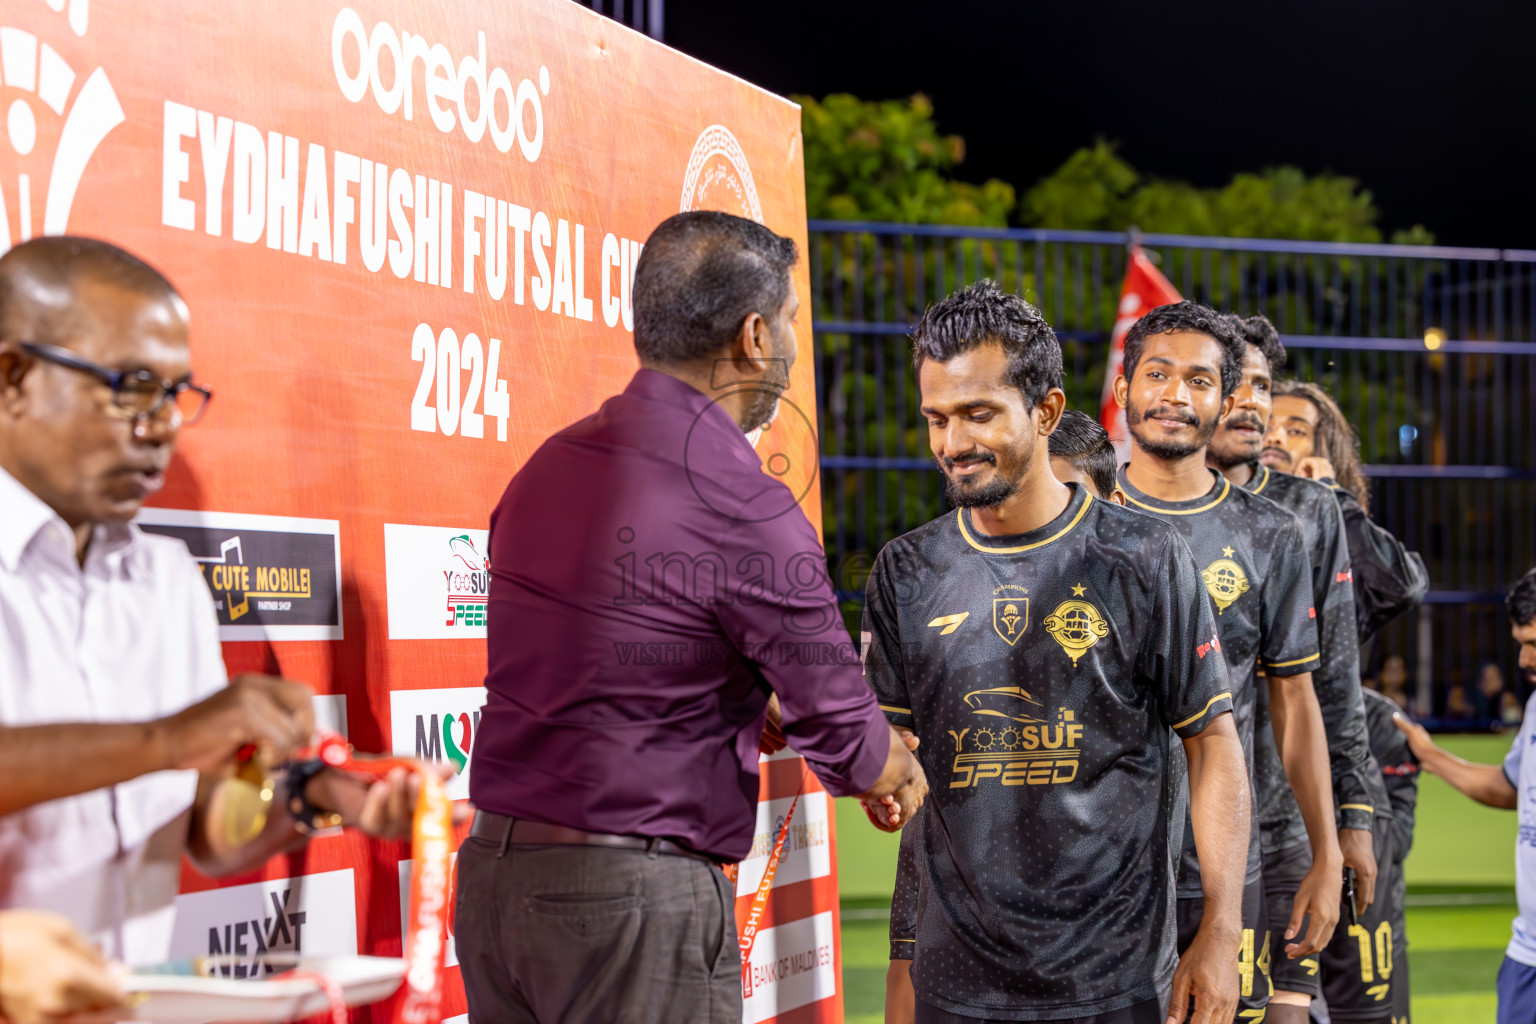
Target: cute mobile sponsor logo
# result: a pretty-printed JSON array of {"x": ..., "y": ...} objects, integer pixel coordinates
[
  {"x": 40, "y": 82},
  {"x": 270, "y": 577},
  {"x": 437, "y": 582}
]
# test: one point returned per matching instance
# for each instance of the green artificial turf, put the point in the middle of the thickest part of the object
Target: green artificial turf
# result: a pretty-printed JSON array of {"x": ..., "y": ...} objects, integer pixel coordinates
[{"x": 1460, "y": 874}]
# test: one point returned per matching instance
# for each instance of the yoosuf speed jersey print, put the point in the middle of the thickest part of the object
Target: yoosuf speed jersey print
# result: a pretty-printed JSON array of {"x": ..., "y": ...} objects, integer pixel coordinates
[
  {"x": 1255, "y": 571},
  {"x": 1047, "y": 675},
  {"x": 1357, "y": 788}
]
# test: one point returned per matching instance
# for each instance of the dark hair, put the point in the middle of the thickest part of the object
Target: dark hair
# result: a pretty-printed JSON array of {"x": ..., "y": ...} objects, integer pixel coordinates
[
  {"x": 699, "y": 277},
  {"x": 981, "y": 314},
  {"x": 1336, "y": 440},
  {"x": 1521, "y": 601},
  {"x": 56, "y": 262},
  {"x": 1082, "y": 441},
  {"x": 1261, "y": 334},
  {"x": 1198, "y": 319}
]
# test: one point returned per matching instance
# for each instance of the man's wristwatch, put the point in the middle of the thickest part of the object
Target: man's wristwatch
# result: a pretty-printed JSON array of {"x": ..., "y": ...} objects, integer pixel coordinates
[{"x": 307, "y": 818}]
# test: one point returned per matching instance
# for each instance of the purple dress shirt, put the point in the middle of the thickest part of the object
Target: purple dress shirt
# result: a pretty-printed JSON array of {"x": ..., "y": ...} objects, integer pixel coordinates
[{"x": 639, "y": 618}]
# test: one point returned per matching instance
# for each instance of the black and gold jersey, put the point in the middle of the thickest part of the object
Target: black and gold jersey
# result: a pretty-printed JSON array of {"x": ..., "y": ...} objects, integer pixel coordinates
[
  {"x": 1399, "y": 768},
  {"x": 1357, "y": 790},
  {"x": 1254, "y": 567},
  {"x": 1046, "y": 675}
]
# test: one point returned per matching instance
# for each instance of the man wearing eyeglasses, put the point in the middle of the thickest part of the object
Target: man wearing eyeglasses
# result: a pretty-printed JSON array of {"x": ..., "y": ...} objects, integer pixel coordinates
[{"x": 118, "y": 727}]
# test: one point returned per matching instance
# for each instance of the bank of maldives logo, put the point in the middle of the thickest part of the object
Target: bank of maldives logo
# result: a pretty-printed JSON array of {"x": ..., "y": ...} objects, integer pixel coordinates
[
  {"x": 718, "y": 177},
  {"x": 271, "y": 577},
  {"x": 438, "y": 726},
  {"x": 437, "y": 581},
  {"x": 57, "y": 112}
]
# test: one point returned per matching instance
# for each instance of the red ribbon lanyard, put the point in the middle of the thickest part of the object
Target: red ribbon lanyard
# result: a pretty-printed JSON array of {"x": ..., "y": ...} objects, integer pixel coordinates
[
  {"x": 426, "y": 924},
  {"x": 749, "y": 931}
]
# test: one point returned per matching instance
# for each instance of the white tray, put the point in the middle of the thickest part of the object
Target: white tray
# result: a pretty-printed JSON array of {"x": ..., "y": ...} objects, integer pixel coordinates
[{"x": 180, "y": 999}]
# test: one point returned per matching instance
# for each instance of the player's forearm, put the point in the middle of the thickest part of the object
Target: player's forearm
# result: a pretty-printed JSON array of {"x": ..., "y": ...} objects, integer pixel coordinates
[
  {"x": 1299, "y": 735},
  {"x": 1219, "y": 805},
  {"x": 1485, "y": 783},
  {"x": 99, "y": 755}
]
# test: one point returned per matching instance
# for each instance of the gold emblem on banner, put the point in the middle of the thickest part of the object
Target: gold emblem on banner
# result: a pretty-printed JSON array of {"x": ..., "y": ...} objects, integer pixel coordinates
[
  {"x": 1076, "y": 625},
  {"x": 1225, "y": 580}
]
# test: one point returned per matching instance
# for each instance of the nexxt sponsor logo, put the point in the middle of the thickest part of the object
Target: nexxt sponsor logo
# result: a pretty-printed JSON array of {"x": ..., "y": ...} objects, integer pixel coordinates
[
  {"x": 311, "y": 914},
  {"x": 437, "y": 582},
  {"x": 438, "y": 726},
  {"x": 270, "y": 577}
]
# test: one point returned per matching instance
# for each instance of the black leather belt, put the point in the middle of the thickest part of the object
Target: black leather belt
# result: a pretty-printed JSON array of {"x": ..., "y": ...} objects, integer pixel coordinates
[{"x": 504, "y": 831}]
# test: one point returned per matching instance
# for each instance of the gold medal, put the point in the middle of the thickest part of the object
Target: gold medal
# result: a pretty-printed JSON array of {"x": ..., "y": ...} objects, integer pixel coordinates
[{"x": 247, "y": 798}]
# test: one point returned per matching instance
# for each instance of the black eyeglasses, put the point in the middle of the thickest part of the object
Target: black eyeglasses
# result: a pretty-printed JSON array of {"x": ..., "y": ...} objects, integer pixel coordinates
[{"x": 138, "y": 393}]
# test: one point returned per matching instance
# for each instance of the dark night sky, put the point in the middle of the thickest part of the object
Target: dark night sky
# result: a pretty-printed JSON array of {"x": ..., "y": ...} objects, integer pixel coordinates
[{"x": 1429, "y": 104}]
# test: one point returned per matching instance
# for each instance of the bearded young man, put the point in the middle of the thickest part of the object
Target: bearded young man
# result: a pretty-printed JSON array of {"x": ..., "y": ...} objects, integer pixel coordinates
[
  {"x": 1361, "y": 799},
  {"x": 1309, "y": 437},
  {"x": 1046, "y": 646},
  {"x": 1182, "y": 364}
]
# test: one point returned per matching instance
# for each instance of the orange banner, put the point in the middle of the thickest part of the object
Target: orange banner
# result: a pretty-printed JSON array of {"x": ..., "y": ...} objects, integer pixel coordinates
[{"x": 406, "y": 232}]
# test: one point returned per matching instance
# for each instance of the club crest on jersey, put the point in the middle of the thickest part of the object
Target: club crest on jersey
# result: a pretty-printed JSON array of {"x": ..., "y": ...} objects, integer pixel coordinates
[
  {"x": 1010, "y": 612},
  {"x": 1225, "y": 580},
  {"x": 1010, "y": 617},
  {"x": 1076, "y": 625}
]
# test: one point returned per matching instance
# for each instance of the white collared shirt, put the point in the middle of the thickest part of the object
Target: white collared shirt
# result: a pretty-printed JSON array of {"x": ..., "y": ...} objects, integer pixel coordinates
[{"x": 130, "y": 637}]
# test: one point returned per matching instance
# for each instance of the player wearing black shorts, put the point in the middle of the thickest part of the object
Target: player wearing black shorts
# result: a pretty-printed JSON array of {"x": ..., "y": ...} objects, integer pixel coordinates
[
  {"x": 1309, "y": 436},
  {"x": 1047, "y": 647},
  {"x": 1365, "y": 967},
  {"x": 1182, "y": 364},
  {"x": 1357, "y": 787}
]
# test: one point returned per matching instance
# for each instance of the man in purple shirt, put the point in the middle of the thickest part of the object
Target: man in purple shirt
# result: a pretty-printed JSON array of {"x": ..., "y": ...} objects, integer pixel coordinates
[{"x": 647, "y": 577}]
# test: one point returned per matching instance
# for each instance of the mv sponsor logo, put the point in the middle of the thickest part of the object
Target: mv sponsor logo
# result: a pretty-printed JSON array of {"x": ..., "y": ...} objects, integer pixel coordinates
[
  {"x": 311, "y": 914},
  {"x": 58, "y": 110},
  {"x": 437, "y": 581},
  {"x": 271, "y": 577},
  {"x": 438, "y": 726}
]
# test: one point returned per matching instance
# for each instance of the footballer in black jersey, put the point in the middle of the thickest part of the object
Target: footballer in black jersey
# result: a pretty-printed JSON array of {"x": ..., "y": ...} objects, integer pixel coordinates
[
  {"x": 1308, "y": 436},
  {"x": 1182, "y": 364},
  {"x": 1050, "y": 650},
  {"x": 1357, "y": 788}
]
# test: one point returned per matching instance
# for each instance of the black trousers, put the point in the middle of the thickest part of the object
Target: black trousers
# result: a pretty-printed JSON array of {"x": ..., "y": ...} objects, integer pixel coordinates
[{"x": 587, "y": 935}]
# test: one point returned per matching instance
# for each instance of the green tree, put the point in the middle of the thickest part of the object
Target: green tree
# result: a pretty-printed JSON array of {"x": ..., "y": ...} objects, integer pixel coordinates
[
  {"x": 887, "y": 161},
  {"x": 1095, "y": 188}
]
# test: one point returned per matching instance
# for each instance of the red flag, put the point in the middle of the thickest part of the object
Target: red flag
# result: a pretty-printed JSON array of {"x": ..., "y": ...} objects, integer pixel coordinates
[{"x": 1145, "y": 289}]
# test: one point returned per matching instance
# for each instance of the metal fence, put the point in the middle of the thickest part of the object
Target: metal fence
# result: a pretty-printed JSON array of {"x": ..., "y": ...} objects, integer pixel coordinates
[{"x": 1431, "y": 352}]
